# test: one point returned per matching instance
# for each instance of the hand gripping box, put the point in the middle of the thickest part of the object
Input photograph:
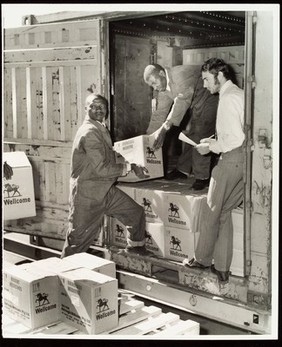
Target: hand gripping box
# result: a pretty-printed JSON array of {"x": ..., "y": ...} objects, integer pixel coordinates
[
  {"x": 139, "y": 150},
  {"x": 89, "y": 300},
  {"x": 30, "y": 295},
  {"x": 18, "y": 190}
]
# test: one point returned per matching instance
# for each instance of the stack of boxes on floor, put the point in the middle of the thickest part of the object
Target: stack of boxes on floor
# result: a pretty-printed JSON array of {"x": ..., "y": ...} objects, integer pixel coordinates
[
  {"x": 81, "y": 290},
  {"x": 172, "y": 217},
  {"x": 172, "y": 210}
]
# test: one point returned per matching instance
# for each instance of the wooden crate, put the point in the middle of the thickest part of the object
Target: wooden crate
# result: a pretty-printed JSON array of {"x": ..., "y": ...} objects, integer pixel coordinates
[{"x": 47, "y": 70}]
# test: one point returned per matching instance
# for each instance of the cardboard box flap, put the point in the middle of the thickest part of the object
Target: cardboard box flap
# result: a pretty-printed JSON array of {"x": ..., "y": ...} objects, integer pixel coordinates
[
  {"x": 86, "y": 260},
  {"x": 29, "y": 275},
  {"x": 16, "y": 159},
  {"x": 87, "y": 276}
]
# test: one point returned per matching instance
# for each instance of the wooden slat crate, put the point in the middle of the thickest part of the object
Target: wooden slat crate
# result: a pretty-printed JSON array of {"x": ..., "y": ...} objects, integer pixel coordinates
[
  {"x": 47, "y": 70},
  {"x": 134, "y": 319}
]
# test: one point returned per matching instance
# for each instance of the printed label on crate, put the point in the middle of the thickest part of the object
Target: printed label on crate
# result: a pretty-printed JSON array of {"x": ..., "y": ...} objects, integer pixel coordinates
[
  {"x": 152, "y": 202},
  {"x": 174, "y": 215},
  {"x": 179, "y": 244},
  {"x": 103, "y": 308},
  {"x": 151, "y": 157},
  {"x": 183, "y": 210},
  {"x": 42, "y": 303},
  {"x": 119, "y": 232}
]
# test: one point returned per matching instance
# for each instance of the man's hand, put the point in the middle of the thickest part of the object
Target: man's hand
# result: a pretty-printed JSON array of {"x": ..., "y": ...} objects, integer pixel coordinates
[
  {"x": 203, "y": 146},
  {"x": 159, "y": 136},
  {"x": 140, "y": 171}
]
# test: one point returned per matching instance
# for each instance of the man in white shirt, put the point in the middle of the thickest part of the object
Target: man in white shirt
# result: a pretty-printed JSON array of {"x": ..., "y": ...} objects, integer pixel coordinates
[{"x": 226, "y": 185}]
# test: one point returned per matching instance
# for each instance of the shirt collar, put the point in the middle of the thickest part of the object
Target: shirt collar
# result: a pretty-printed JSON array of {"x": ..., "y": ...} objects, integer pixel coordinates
[
  {"x": 226, "y": 85},
  {"x": 94, "y": 121}
]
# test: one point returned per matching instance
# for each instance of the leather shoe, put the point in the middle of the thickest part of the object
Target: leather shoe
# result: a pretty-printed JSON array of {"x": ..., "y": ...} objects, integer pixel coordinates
[
  {"x": 193, "y": 263},
  {"x": 200, "y": 184},
  {"x": 223, "y": 276},
  {"x": 175, "y": 174}
]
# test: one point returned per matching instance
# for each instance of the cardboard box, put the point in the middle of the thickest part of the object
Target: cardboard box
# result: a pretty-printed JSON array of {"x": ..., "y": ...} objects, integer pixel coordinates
[
  {"x": 155, "y": 238},
  {"x": 18, "y": 192},
  {"x": 139, "y": 150},
  {"x": 30, "y": 296},
  {"x": 92, "y": 262},
  {"x": 118, "y": 233},
  {"x": 237, "y": 264},
  {"x": 89, "y": 300},
  {"x": 52, "y": 264},
  {"x": 179, "y": 244},
  {"x": 152, "y": 202},
  {"x": 183, "y": 210}
]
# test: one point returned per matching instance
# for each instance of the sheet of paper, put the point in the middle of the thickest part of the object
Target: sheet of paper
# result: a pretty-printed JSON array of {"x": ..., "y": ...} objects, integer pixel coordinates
[{"x": 186, "y": 139}]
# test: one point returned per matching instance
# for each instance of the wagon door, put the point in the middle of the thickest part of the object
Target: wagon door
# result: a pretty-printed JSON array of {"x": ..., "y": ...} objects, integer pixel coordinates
[{"x": 47, "y": 70}]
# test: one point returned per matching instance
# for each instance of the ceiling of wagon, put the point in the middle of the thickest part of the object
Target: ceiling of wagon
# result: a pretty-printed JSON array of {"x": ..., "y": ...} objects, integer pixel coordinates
[{"x": 196, "y": 28}]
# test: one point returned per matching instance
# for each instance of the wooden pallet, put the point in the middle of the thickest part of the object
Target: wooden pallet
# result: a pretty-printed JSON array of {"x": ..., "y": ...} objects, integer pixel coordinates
[{"x": 134, "y": 319}]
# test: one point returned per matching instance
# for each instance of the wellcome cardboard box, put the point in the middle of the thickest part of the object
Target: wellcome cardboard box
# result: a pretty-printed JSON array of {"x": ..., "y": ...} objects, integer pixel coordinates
[
  {"x": 183, "y": 210},
  {"x": 152, "y": 202},
  {"x": 92, "y": 262},
  {"x": 89, "y": 300},
  {"x": 30, "y": 296},
  {"x": 155, "y": 238},
  {"x": 139, "y": 150},
  {"x": 18, "y": 191},
  {"x": 237, "y": 264},
  {"x": 118, "y": 233},
  {"x": 179, "y": 244}
]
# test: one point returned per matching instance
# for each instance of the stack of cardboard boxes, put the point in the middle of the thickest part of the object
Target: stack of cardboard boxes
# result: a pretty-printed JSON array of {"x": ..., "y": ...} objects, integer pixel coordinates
[
  {"x": 172, "y": 218},
  {"x": 173, "y": 215},
  {"x": 172, "y": 210},
  {"x": 80, "y": 290}
]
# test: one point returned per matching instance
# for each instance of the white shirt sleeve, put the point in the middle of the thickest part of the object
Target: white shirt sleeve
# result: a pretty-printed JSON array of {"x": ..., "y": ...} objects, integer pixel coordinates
[{"x": 229, "y": 124}]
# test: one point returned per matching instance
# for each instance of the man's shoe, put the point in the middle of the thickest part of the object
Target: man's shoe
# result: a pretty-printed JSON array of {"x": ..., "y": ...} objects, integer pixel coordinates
[
  {"x": 223, "y": 276},
  {"x": 173, "y": 175},
  {"x": 200, "y": 184},
  {"x": 141, "y": 250},
  {"x": 193, "y": 263}
]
